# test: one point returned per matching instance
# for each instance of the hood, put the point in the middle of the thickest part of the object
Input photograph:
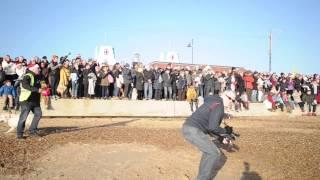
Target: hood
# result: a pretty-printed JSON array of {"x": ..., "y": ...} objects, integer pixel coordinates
[{"x": 212, "y": 98}]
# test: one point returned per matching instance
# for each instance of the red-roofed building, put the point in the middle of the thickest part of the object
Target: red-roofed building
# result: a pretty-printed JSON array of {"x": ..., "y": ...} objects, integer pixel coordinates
[{"x": 164, "y": 65}]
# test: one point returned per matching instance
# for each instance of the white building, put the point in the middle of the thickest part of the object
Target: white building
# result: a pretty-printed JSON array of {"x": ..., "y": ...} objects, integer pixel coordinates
[{"x": 105, "y": 55}]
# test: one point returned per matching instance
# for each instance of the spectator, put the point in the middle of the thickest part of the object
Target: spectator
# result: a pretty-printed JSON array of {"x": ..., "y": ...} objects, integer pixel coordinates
[
  {"x": 249, "y": 81},
  {"x": 175, "y": 77},
  {"x": 85, "y": 81},
  {"x": 192, "y": 97},
  {"x": 8, "y": 93},
  {"x": 148, "y": 79},
  {"x": 127, "y": 80},
  {"x": 139, "y": 82},
  {"x": 54, "y": 72},
  {"x": 9, "y": 68},
  {"x": 216, "y": 84},
  {"x": 208, "y": 83},
  {"x": 297, "y": 99},
  {"x": 92, "y": 78},
  {"x": 64, "y": 80},
  {"x": 167, "y": 84},
  {"x": 181, "y": 86},
  {"x": 74, "y": 76},
  {"x": 104, "y": 83},
  {"x": 311, "y": 102},
  {"x": 97, "y": 86},
  {"x": 44, "y": 72},
  {"x": 157, "y": 83},
  {"x": 45, "y": 94},
  {"x": 116, "y": 72}
]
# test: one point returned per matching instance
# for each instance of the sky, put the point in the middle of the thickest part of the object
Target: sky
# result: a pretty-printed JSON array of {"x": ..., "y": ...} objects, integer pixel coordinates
[{"x": 230, "y": 32}]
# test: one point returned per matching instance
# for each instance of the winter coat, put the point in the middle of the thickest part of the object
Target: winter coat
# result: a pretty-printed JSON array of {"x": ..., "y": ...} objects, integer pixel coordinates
[
  {"x": 167, "y": 80},
  {"x": 249, "y": 80},
  {"x": 174, "y": 81},
  {"x": 182, "y": 82},
  {"x": 189, "y": 79},
  {"x": 191, "y": 94},
  {"x": 64, "y": 80},
  {"x": 133, "y": 76},
  {"x": 208, "y": 81},
  {"x": 217, "y": 84},
  {"x": 44, "y": 74},
  {"x": 9, "y": 68},
  {"x": 240, "y": 84},
  {"x": 157, "y": 80},
  {"x": 74, "y": 75},
  {"x": 104, "y": 78},
  {"x": 148, "y": 75},
  {"x": 126, "y": 74},
  {"x": 92, "y": 83},
  {"x": 85, "y": 78},
  {"x": 139, "y": 81},
  {"x": 54, "y": 69},
  {"x": 297, "y": 84},
  {"x": 283, "y": 86},
  {"x": 7, "y": 90}
]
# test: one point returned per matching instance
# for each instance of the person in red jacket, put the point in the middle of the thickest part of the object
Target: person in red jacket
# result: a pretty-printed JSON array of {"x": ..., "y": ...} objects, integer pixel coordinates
[{"x": 249, "y": 80}]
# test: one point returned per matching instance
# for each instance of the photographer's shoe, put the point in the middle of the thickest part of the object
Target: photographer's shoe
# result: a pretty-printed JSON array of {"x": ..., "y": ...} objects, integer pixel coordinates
[
  {"x": 35, "y": 135},
  {"x": 21, "y": 137}
]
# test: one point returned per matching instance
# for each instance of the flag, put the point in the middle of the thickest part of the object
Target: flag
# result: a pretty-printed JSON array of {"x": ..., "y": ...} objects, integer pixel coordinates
[{"x": 189, "y": 45}]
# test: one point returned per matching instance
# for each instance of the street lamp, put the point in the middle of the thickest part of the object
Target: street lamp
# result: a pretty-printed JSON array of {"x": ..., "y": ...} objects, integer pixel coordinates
[{"x": 191, "y": 45}]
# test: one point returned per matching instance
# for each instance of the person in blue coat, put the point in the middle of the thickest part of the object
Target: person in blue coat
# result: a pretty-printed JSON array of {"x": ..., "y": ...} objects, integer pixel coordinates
[{"x": 8, "y": 93}]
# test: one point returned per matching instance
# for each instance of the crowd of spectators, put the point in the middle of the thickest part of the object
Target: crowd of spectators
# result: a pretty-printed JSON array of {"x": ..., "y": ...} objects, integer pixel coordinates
[{"x": 79, "y": 78}]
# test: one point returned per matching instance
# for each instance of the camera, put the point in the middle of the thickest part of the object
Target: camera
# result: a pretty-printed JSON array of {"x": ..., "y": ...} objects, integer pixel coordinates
[{"x": 64, "y": 58}]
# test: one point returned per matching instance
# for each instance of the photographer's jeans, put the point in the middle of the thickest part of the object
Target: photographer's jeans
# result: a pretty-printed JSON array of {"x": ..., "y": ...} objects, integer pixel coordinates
[
  {"x": 26, "y": 107},
  {"x": 211, "y": 153}
]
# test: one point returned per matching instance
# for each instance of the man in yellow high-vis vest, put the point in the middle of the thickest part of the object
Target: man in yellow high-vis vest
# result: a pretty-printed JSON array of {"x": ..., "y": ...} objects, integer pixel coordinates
[{"x": 30, "y": 101}]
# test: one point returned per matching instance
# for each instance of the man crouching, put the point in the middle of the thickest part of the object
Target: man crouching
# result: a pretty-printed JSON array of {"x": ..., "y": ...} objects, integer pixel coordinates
[{"x": 206, "y": 120}]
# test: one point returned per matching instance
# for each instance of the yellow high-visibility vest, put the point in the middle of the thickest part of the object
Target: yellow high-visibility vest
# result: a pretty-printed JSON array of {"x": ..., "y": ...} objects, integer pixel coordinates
[{"x": 25, "y": 94}]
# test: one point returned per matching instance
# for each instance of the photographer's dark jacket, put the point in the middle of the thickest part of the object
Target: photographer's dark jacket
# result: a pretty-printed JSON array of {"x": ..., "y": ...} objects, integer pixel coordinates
[{"x": 208, "y": 116}]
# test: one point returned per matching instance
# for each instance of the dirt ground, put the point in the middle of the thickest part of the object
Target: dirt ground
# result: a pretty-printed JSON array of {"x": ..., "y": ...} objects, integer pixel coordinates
[{"x": 104, "y": 148}]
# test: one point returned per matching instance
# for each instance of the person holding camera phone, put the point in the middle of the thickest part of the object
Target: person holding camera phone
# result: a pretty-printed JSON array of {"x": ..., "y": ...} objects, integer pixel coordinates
[{"x": 205, "y": 121}]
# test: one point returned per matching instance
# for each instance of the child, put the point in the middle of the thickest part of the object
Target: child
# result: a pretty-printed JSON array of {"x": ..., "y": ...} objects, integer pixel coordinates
[
  {"x": 245, "y": 100},
  {"x": 269, "y": 103},
  {"x": 297, "y": 99},
  {"x": 192, "y": 97},
  {"x": 286, "y": 101},
  {"x": 45, "y": 94},
  {"x": 8, "y": 93},
  {"x": 311, "y": 102},
  {"x": 278, "y": 101}
]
